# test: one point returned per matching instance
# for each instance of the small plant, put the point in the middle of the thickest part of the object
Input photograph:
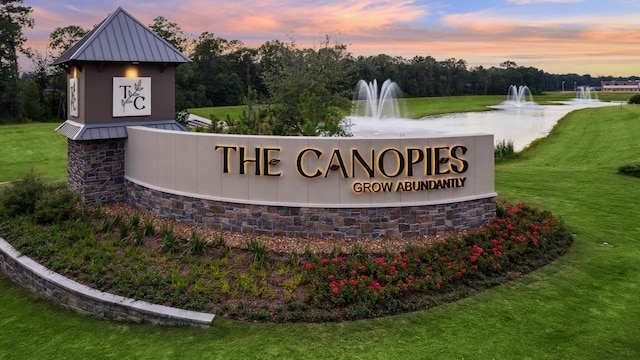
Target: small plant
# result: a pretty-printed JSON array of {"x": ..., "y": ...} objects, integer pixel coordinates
[
  {"x": 358, "y": 251},
  {"x": 500, "y": 210},
  {"x": 170, "y": 241},
  {"x": 219, "y": 241},
  {"x": 258, "y": 250},
  {"x": 106, "y": 225},
  {"x": 134, "y": 222},
  {"x": 124, "y": 231},
  {"x": 117, "y": 220},
  {"x": 504, "y": 150},
  {"x": 336, "y": 251},
  {"x": 308, "y": 254},
  {"x": 294, "y": 259},
  {"x": 136, "y": 237},
  {"x": 196, "y": 244},
  {"x": 149, "y": 229}
]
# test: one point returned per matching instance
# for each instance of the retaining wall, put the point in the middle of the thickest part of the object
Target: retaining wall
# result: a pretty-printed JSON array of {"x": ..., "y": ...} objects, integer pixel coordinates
[{"x": 85, "y": 300}]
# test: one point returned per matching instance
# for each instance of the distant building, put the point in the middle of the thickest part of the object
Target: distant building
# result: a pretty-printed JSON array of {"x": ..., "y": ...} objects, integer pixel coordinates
[{"x": 620, "y": 85}]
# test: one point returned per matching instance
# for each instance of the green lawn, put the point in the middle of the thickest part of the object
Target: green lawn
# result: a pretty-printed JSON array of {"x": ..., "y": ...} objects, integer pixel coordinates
[
  {"x": 32, "y": 146},
  {"x": 583, "y": 306},
  {"x": 220, "y": 112}
]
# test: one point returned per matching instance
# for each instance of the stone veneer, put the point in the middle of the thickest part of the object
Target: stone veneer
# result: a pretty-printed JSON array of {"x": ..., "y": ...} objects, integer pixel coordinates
[
  {"x": 96, "y": 170},
  {"x": 389, "y": 222}
]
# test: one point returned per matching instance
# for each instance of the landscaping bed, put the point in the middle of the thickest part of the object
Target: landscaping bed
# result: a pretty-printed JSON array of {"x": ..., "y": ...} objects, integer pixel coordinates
[{"x": 125, "y": 251}]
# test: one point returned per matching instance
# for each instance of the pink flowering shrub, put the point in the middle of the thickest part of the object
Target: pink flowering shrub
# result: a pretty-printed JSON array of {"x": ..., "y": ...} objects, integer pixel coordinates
[{"x": 519, "y": 239}]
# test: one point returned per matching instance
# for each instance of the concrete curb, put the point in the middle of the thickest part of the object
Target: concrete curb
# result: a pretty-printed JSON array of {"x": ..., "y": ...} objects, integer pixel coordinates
[{"x": 85, "y": 300}]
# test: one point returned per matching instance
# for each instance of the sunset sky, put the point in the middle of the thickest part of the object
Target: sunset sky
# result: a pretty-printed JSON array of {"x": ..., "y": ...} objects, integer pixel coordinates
[{"x": 597, "y": 37}]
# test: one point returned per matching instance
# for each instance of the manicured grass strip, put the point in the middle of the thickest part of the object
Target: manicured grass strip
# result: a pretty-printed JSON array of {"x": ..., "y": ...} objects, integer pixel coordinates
[
  {"x": 220, "y": 112},
  {"x": 583, "y": 306},
  {"x": 32, "y": 146},
  {"x": 419, "y": 107}
]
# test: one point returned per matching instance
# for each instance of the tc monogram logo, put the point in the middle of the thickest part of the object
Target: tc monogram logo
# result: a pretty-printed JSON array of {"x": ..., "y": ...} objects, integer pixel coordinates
[{"x": 131, "y": 97}]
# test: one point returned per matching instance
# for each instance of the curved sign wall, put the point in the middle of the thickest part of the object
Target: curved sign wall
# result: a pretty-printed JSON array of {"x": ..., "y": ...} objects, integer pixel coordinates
[{"x": 312, "y": 171}]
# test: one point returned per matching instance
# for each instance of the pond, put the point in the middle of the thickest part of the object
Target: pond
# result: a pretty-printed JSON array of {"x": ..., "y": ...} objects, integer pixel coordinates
[{"x": 521, "y": 125}]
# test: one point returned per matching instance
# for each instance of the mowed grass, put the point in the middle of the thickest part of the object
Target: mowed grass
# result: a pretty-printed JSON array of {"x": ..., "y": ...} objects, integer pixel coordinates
[
  {"x": 583, "y": 306},
  {"x": 220, "y": 112},
  {"x": 32, "y": 146}
]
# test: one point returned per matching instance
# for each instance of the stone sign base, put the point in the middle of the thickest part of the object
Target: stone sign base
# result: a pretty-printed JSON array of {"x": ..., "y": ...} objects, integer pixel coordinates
[
  {"x": 388, "y": 222},
  {"x": 96, "y": 170}
]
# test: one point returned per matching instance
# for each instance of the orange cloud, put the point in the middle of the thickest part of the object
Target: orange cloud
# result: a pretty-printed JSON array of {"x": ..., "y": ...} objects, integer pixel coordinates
[{"x": 399, "y": 28}]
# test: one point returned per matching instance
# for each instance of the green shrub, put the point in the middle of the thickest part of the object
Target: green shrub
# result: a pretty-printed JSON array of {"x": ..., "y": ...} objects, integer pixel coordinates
[
  {"x": 21, "y": 196},
  {"x": 635, "y": 99},
  {"x": 56, "y": 205},
  {"x": 504, "y": 150},
  {"x": 632, "y": 170}
]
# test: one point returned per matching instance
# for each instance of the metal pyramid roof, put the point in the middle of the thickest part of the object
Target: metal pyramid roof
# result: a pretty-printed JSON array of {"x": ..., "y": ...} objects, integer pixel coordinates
[{"x": 121, "y": 37}]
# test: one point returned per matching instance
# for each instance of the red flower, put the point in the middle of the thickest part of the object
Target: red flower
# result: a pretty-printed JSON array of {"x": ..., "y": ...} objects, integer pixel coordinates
[
  {"x": 478, "y": 249},
  {"x": 335, "y": 290},
  {"x": 375, "y": 286}
]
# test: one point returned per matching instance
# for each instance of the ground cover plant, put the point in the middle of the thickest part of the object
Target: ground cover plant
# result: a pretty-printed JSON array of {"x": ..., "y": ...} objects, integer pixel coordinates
[{"x": 582, "y": 306}]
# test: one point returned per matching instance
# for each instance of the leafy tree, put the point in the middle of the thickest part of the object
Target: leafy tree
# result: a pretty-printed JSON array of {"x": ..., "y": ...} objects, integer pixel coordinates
[
  {"x": 213, "y": 70},
  {"x": 62, "y": 38},
  {"x": 13, "y": 19},
  {"x": 188, "y": 93},
  {"x": 310, "y": 89},
  {"x": 508, "y": 64},
  {"x": 171, "y": 32},
  {"x": 254, "y": 120}
]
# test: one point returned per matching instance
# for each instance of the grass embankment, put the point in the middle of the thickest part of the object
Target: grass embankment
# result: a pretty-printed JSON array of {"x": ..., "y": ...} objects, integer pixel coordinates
[{"x": 583, "y": 306}]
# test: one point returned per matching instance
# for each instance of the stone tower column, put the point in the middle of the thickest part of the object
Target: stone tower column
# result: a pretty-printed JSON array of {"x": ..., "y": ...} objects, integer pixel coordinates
[{"x": 130, "y": 83}]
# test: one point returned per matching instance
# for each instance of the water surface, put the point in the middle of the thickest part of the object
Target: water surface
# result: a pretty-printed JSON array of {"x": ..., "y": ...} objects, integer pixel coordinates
[{"x": 521, "y": 125}]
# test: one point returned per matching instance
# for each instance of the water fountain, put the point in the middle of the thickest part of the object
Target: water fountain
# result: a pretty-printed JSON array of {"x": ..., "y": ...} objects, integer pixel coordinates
[
  {"x": 371, "y": 103},
  {"x": 586, "y": 94},
  {"x": 518, "y": 97}
]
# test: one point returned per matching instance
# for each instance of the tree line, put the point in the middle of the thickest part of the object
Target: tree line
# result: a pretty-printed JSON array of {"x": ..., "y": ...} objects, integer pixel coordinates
[{"x": 307, "y": 89}]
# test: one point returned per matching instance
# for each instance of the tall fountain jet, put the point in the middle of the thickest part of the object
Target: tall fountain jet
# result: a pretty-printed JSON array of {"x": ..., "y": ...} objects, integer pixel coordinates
[
  {"x": 519, "y": 96},
  {"x": 586, "y": 94},
  {"x": 371, "y": 103}
]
